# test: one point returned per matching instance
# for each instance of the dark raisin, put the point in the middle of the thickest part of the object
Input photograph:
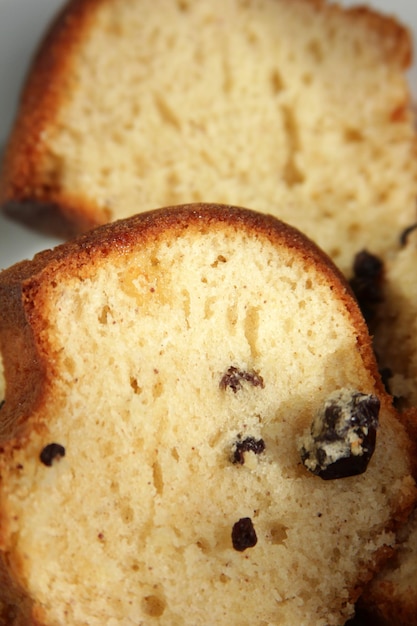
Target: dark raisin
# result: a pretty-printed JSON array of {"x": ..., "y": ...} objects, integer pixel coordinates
[
  {"x": 2, "y": 403},
  {"x": 249, "y": 444},
  {"x": 343, "y": 436},
  {"x": 51, "y": 452},
  {"x": 234, "y": 377},
  {"x": 244, "y": 535},
  {"x": 406, "y": 232},
  {"x": 367, "y": 283}
]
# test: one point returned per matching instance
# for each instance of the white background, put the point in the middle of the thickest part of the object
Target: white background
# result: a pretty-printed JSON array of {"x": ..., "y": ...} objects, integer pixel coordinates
[{"x": 22, "y": 23}]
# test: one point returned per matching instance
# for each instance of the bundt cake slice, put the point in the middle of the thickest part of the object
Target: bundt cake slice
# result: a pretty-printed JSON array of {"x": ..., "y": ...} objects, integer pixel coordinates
[{"x": 194, "y": 429}]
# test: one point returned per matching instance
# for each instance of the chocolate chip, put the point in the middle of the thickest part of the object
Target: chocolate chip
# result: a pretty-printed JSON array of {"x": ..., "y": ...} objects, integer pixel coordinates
[
  {"x": 2, "y": 404},
  {"x": 367, "y": 282},
  {"x": 51, "y": 452},
  {"x": 233, "y": 378},
  {"x": 342, "y": 437},
  {"x": 250, "y": 444},
  {"x": 244, "y": 535},
  {"x": 406, "y": 232}
]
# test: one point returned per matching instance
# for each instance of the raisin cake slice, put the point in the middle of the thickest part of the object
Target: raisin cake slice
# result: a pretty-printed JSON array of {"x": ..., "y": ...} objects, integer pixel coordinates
[
  {"x": 395, "y": 323},
  {"x": 194, "y": 429},
  {"x": 257, "y": 103},
  {"x": 392, "y": 596}
]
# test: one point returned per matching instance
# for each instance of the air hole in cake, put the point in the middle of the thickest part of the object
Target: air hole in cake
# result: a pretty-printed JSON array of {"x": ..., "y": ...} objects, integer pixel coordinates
[
  {"x": 158, "y": 479},
  {"x": 223, "y": 578},
  {"x": 335, "y": 252},
  {"x": 157, "y": 389},
  {"x": 251, "y": 328},
  {"x": 104, "y": 314},
  {"x": 208, "y": 307},
  {"x": 277, "y": 82},
  {"x": 316, "y": 50},
  {"x": 186, "y": 298},
  {"x": 353, "y": 135},
  {"x": 203, "y": 545},
  {"x": 220, "y": 259},
  {"x": 232, "y": 317},
  {"x": 153, "y": 605},
  {"x": 69, "y": 365},
  {"x": 135, "y": 386},
  {"x": 354, "y": 228},
  {"x": 278, "y": 534},
  {"x": 166, "y": 111},
  {"x": 108, "y": 447},
  {"x": 183, "y": 5},
  {"x": 307, "y": 78},
  {"x": 292, "y": 175},
  {"x": 126, "y": 512}
]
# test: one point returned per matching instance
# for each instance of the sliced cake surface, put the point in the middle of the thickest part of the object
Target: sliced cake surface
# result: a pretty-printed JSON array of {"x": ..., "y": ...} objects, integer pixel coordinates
[{"x": 194, "y": 430}]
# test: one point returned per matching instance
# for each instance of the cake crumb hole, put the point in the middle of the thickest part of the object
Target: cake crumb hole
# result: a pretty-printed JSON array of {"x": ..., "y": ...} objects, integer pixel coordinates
[
  {"x": 158, "y": 480},
  {"x": 154, "y": 606},
  {"x": 220, "y": 259},
  {"x": 104, "y": 314},
  {"x": 135, "y": 386},
  {"x": 278, "y": 534}
]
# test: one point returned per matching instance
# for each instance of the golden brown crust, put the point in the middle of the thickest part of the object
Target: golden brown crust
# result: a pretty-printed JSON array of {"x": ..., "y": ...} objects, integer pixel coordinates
[
  {"x": 11, "y": 598},
  {"x": 27, "y": 195},
  {"x": 394, "y": 39}
]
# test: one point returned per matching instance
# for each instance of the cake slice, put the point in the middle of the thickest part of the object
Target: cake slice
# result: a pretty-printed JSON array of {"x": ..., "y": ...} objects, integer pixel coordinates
[
  {"x": 392, "y": 597},
  {"x": 297, "y": 108},
  {"x": 395, "y": 324},
  {"x": 194, "y": 430}
]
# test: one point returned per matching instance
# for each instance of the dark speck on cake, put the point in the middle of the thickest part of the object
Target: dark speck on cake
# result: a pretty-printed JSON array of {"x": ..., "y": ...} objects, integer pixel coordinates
[
  {"x": 244, "y": 535},
  {"x": 51, "y": 452},
  {"x": 234, "y": 378}
]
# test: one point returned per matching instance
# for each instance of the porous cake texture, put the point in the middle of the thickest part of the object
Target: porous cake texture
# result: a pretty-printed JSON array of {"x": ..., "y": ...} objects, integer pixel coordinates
[
  {"x": 396, "y": 321},
  {"x": 151, "y": 462},
  {"x": 391, "y": 598},
  {"x": 300, "y": 109}
]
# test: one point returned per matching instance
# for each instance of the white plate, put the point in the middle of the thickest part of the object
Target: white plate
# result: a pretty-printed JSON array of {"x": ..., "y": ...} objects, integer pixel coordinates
[{"x": 22, "y": 23}]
